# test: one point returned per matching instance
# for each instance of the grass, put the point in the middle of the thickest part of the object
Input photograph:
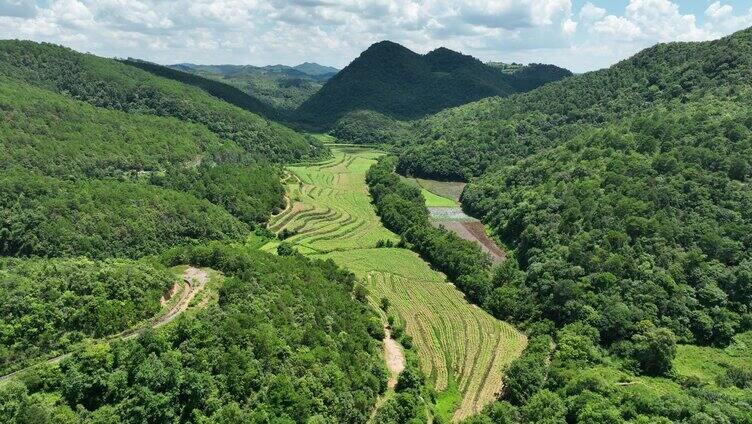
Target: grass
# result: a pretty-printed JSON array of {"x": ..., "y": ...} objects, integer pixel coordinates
[
  {"x": 436, "y": 201},
  {"x": 708, "y": 363},
  {"x": 441, "y": 193}
]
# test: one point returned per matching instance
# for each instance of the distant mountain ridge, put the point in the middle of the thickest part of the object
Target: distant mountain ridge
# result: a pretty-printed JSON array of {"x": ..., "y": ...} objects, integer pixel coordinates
[
  {"x": 280, "y": 87},
  {"x": 310, "y": 69},
  {"x": 390, "y": 79}
]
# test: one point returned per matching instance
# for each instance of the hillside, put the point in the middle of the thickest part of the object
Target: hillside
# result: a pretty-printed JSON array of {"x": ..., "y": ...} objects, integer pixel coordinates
[
  {"x": 280, "y": 87},
  {"x": 114, "y": 85},
  {"x": 390, "y": 79},
  {"x": 463, "y": 142},
  {"x": 623, "y": 196}
]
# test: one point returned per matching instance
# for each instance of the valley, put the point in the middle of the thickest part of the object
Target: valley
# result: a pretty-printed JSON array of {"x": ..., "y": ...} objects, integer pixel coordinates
[
  {"x": 462, "y": 349},
  {"x": 420, "y": 237}
]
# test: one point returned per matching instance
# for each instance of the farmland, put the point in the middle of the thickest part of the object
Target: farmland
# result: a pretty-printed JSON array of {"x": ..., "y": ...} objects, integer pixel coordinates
[{"x": 463, "y": 349}]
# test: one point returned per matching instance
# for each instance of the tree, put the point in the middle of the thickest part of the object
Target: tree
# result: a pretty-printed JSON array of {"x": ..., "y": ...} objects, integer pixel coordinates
[
  {"x": 545, "y": 407},
  {"x": 654, "y": 348}
]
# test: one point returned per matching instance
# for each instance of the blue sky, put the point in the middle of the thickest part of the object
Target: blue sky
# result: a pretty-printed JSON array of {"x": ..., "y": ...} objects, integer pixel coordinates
[{"x": 581, "y": 35}]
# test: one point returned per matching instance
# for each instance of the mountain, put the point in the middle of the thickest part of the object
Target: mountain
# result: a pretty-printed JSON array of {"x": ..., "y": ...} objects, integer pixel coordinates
[
  {"x": 623, "y": 197},
  {"x": 462, "y": 142},
  {"x": 314, "y": 69},
  {"x": 114, "y": 85},
  {"x": 280, "y": 87},
  {"x": 392, "y": 80}
]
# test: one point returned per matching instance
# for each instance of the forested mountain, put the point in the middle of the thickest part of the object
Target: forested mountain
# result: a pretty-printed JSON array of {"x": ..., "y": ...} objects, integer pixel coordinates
[
  {"x": 281, "y": 87},
  {"x": 624, "y": 198},
  {"x": 390, "y": 79},
  {"x": 464, "y": 141},
  {"x": 226, "y": 92},
  {"x": 114, "y": 85}
]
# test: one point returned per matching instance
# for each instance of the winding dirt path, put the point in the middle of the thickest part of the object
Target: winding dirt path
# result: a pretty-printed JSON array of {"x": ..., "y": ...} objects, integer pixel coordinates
[
  {"x": 195, "y": 280},
  {"x": 394, "y": 357}
]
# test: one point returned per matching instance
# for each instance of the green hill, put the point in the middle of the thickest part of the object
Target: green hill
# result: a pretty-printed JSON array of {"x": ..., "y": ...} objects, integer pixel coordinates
[
  {"x": 115, "y": 85},
  {"x": 392, "y": 80},
  {"x": 464, "y": 141}
]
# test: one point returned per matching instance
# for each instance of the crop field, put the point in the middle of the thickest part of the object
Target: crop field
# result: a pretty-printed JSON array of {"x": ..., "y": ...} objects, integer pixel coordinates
[
  {"x": 458, "y": 343},
  {"x": 331, "y": 209},
  {"x": 462, "y": 348}
]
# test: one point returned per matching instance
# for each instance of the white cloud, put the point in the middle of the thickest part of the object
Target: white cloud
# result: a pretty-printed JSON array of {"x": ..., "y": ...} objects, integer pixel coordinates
[
  {"x": 591, "y": 12},
  {"x": 335, "y": 31},
  {"x": 721, "y": 18},
  {"x": 569, "y": 26},
  {"x": 617, "y": 27}
]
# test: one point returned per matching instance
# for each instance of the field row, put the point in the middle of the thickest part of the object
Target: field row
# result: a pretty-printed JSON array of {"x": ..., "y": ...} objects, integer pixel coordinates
[{"x": 456, "y": 341}]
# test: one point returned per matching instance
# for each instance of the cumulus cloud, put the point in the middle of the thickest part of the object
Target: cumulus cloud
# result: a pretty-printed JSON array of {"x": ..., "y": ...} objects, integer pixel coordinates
[
  {"x": 591, "y": 12},
  {"x": 722, "y": 18},
  {"x": 335, "y": 31}
]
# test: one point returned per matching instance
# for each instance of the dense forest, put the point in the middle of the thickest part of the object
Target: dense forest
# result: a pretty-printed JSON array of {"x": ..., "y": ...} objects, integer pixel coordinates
[
  {"x": 596, "y": 354},
  {"x": 621, "y": 197},
  {"x": 463, "y": 142},
  {"x": 392, "y": 80},
  {"x": 49, "y": 305},
  {"x": 286, "y": 343},
  {"x": 114, "y": 85}
]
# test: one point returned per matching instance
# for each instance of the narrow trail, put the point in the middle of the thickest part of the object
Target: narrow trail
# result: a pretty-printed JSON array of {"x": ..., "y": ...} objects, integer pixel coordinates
[
  {"x": 394, "y": 357},
  {"x": 195, "y": 280}
]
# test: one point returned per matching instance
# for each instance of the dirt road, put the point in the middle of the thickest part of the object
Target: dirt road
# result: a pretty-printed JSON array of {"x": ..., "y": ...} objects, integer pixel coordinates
[{"x": 195, "y": 280}]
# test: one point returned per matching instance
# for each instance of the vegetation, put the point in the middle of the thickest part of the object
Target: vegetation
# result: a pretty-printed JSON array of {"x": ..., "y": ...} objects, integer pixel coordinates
[
  {"x": 45, "y": 216},
  {"x": 369, "y": 127},
  {"x": 248, "y": 192},
  {"x": 49, "y": 305},
  {"x": 463, "y": 142},
  {"x": 283, "y": 88},
  {"x": 391, "y": 80},
  {"x": 115, "y": 85},
  {"x": 402, "y": 209},
  {"x": 286, "y": 343},
  {"x": 330, "y": 208},
  {"x": 462, "y": 353},
  {"x": 226, "y": 92},
  {"x": 573, "y": 380},
  {"x": 459, "y": 345}
]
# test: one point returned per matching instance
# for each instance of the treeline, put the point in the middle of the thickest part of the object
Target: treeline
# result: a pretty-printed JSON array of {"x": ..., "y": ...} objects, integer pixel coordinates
[
  {"x": 50, "y": 305},
  {"x": 248, "y": 192},
  {"x": 43, "y": 216},
  {"x": 568, "y": 378},
  {"x": 110, "y": 84},
  {"x": 402, "y": 209},
  {"x": 286, "y": 343},
  {"x": 648, "y": 220},
  {"x": 69, "y": 139}
]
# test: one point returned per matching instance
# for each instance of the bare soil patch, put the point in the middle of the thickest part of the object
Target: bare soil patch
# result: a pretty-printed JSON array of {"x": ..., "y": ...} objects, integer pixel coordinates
[{"x": 395, "y": 359}]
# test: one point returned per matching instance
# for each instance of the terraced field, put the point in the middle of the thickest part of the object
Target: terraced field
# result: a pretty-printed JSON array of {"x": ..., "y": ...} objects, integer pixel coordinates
[
  {"x": 331, "y": 209},
  {"x": 458, "y": 343},
  {"x": 462, "y": 348}
]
